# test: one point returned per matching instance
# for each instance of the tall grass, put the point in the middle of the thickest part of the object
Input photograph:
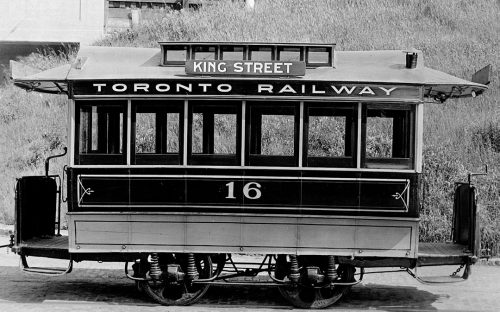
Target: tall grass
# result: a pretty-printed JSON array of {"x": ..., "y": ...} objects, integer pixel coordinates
[{"x": 458, "y": 37}]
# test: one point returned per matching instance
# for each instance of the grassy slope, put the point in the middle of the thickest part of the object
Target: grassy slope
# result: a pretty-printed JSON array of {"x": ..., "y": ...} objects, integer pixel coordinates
[{"x": 457, "y": 37}]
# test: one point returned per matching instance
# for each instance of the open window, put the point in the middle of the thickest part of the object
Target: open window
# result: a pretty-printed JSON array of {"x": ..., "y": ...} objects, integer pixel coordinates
[
  {"x": 156, "y": 129},
  {"x": 388, "y": 136},
  {"x": 100, "y": 134},
  {"x": 272, "y": 134},
  {"x": 214, "y": 132},
  {"x": 330, "y": 135}
]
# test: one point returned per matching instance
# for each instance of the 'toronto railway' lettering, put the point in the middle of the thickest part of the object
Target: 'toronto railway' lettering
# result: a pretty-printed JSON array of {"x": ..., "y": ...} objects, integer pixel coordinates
[{"x": 232, "y": 88}]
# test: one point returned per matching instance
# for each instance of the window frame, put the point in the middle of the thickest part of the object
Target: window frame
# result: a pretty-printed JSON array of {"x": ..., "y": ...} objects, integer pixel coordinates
[
  {"x": 156, "y": 106},
  {"x": 101, "y": 158},
  {"x": 408, "y": 137},
  {"x": 350, "y": 142},
  {"x": 213, "y": 107},
  {"x": 251, "y": 139}
]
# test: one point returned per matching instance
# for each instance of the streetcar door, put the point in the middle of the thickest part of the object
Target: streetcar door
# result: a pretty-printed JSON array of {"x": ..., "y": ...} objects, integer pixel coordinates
[{"x": 465, "y": 223}]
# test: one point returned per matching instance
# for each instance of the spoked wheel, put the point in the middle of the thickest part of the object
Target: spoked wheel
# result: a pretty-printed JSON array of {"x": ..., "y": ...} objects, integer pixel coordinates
[
  {"x": 168, "y": 290},
  {"x": 305, "y": 295}
]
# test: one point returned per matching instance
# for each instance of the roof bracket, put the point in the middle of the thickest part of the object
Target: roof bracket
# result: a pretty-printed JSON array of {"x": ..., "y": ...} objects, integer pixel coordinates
[
  {"x": 482, "y": 76},
  {"x": 61, "y": 89}
]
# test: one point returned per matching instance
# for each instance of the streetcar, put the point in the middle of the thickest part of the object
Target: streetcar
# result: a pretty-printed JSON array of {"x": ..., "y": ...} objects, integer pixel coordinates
[{"x": 185, "y": 158}]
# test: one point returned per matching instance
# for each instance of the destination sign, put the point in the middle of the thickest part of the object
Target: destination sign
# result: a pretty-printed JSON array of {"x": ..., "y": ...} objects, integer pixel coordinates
[
  {"x": 265, "y": 88},
  {"x": 245, "y": 68}
]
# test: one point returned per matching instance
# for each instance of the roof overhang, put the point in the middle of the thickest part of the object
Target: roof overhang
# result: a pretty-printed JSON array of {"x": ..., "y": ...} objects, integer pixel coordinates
[
  {"x": 49, "y": 81},
  {"x": 115, "y": 64}
]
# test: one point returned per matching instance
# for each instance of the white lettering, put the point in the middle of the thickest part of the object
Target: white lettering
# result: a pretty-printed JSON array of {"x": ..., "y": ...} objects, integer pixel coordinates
[
  {"x": 224, "y": 88},
  {"x": 204, "y": 86},
  {"x": 119, "y": 87},
  {"x": 265, "y": 87},
  {"x": 221, "y": 67},
  {"x": 277, "y": 68},
  {"x": 162, "y": 87},
  {"x": 367, "y": 90},
  {"x": 188, "y": 88},
  {"x": 141, "y": 86},
  {"x": 197, "y": 67},
  {"x": 210, "y": 67},
  {"x": 258, "y": 68},
  {"x": 267, "y": 68},
  {"x": 287, "y": 88},
  {"x": 238, "y": 67},
  {"x": 287, "y": 65},
  {"x": 343, "y": 88},
  {"x": 314, "y": 91},
  {"x": 388, "y": 91},
  {"x": 99, "y": 86}
]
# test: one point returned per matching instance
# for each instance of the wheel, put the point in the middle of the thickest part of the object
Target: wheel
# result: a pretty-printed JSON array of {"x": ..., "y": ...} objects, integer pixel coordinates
[
  {"x": 319, "y": 296},
  {"x": 182, "y": 292}
]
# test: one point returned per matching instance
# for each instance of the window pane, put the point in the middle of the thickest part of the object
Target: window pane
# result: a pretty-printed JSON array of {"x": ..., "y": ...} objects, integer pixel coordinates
[
  {"x": 277, "y": 137},
  {"x": 326, "y": 136},
  {"x": 95, "y": 130},
  {"x": 157, "y": 133},
  {"x": 197, "y": 137},
  {"x": 261, "y": 54},
  {"x": 203, "y": 53},
  {"x": 232, "y": 53},
  {"x": 225, "y": 134},
  {"x": 220, "y": 136},
  {"x": 289, "y": 54},
  {"x": 145, "y": 133},
  {"x": 173, "y": 132},
  {"x": 101, "y": 130},
  {"x": 175, "y": 54},
  {"x": 318, "y": 56},
  {"x": 84, "y": 134},
  {"x": 379, "y": 137}
]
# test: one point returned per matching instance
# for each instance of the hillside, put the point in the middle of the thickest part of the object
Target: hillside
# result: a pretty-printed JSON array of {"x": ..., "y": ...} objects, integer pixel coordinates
[{"x": 457, "y": 37}]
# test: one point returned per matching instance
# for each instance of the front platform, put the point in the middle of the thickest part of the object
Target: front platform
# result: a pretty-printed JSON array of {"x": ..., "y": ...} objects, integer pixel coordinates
[
  {"x": 50, "y": 247},
  {"x": 442, "y": 254},
  {"x": 429, "y": 254}
]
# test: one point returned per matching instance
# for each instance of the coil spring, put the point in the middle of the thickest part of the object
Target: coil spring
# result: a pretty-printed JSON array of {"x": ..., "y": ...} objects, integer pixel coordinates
[
  {"x": 294, "y": 269},
  {"x": 331, "y": 272},
  {"x": 154, "y": 270},
  {"x": 192, "y": 273}
]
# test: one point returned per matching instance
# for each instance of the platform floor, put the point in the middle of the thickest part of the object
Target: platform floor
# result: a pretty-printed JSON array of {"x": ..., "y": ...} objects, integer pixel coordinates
[
  {"x": 60, "y": 244},
  {"x": 55, "y": 242},
  {"x": 442, "y": 249}
]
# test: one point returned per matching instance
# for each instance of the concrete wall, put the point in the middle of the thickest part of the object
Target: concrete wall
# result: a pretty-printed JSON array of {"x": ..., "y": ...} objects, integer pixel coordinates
[{"x": 52, "y": 20}]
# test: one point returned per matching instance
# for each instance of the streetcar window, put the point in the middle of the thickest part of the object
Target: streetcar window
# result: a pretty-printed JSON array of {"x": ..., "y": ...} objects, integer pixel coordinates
[
  {"x": 291, "y": 54},
  {"x": 273, "y": 134},
  {"x": 100, "y": 132},
  {"x": 204, "y": 53},
  {"x": 388, "y": 136},
  {"x": 330, "y": 135},
  {"x": 214, "y": 131},
  {"x": 318, "y": 56},
  {"x": 233, "y": 53},
  {"x": 156, "y": 128},
  {"x": 257, "y": 53},
  {"x": 175, "y": 55}
]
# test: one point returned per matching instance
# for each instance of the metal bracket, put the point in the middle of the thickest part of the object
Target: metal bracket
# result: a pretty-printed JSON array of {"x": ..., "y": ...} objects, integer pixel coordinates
[
  {"x": 435, "y": 280},
  {"x": 44, "y": 271}
]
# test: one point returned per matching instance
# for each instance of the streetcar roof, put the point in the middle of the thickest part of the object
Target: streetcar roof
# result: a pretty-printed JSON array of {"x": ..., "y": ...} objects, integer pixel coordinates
[{"x": 368, "y": 67}]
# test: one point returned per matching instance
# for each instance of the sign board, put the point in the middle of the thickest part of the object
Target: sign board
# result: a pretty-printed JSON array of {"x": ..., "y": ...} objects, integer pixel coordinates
[
  {"x": 245, "y": 87},
  {"x": 245, "y": 68}
]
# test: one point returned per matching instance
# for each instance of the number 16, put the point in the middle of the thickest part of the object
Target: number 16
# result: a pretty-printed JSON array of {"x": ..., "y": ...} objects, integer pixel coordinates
[{"x": 252, "y": 187}]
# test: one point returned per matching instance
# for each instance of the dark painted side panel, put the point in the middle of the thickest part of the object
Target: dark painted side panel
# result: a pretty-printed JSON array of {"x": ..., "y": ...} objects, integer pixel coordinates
[{"x": 244, "y": 191}]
